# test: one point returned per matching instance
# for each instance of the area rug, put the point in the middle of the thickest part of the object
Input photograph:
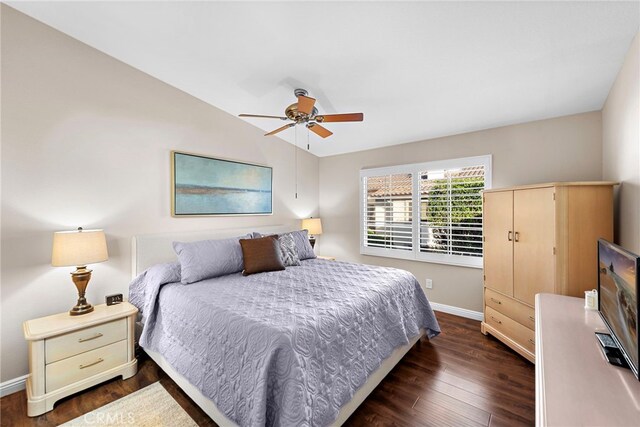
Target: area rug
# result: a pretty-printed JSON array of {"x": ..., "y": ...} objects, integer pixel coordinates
[{"x": 151, "y": 406}]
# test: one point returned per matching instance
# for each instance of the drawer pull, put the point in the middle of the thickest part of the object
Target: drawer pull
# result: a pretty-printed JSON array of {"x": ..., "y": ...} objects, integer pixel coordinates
[
  {"x": 496, "y": 301},
  {"x": 532, "y": 341},
  {"x": 98, "y": 335},
  {"x": 533, "y": 319},
  {"x": 496, "y": 320},
  {"x": 91, "y": 364}
]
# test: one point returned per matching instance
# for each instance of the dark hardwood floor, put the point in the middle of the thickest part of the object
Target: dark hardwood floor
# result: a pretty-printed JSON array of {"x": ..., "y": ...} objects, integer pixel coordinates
[{"x": 461, "y": 378}]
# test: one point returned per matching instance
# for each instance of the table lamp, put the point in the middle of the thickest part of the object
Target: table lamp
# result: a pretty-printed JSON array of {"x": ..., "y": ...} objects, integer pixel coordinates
[
  {"x": 79, "y": 248},
  {"x": 314, "y": 227}
]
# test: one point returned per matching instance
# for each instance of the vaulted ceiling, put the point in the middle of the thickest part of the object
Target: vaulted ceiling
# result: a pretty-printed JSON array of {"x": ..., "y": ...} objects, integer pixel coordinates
[{"x": 418, "y": 70}]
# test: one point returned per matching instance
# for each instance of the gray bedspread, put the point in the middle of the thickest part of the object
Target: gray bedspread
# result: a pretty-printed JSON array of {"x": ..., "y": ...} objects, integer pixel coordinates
[{"x": 286, "y": 348}]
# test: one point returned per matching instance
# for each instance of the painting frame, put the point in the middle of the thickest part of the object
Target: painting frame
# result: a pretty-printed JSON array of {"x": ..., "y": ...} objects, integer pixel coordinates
[{"x": 178, "y": 207}]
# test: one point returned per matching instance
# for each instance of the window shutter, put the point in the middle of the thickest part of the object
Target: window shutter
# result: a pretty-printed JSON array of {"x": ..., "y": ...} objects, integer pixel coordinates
[
  {"x": 430, "y": 212},
  {"x": 451, "y": 211},
  {"x": 388, "y": 211}
]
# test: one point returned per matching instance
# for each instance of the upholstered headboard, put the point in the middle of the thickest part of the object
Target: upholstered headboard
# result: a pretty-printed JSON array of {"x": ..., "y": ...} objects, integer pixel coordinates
[{"x": 150, "y": 249}]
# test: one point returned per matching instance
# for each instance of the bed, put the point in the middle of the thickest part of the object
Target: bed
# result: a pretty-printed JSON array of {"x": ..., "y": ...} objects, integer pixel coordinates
[{"x": 303, "y": 346}]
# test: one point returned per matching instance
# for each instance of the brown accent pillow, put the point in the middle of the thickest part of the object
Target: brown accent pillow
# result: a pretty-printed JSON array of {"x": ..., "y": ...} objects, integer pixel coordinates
[{"x": 261, "y": 255}]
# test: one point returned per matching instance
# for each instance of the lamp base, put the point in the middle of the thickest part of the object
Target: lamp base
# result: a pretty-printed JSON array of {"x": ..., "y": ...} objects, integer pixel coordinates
[
  {"x": 312, "y": 241},
  {"x": 81, "y": 279},
  {"x": 79, "y": 309}
]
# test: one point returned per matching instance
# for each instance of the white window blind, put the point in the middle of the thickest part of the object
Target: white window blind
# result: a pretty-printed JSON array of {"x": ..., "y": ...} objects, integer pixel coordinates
[
  {"x": 389, "y": 211},
  {"x": 429, "y": 212}
]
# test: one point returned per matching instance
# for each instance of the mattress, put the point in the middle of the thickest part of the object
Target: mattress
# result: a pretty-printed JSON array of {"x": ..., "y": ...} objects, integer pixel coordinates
[{"x": 281, "y": 348}]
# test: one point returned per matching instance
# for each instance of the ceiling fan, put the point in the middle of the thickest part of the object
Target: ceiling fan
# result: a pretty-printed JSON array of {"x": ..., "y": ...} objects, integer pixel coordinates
[{"x": 305, "y": 112}]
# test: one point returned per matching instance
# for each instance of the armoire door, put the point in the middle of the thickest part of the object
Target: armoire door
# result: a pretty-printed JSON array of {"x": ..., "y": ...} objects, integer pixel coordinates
[
  {"x": 498, "y": 241},
  {"x": 533, "y": 243}
]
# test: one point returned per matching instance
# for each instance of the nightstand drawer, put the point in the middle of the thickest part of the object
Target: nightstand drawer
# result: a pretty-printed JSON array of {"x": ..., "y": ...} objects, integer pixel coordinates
[
  {"x": 68, "y": 345},
  {"x": 85, "y": 365}
]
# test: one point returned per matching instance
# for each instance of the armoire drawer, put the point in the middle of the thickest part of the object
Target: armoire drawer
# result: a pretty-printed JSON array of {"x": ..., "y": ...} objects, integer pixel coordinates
[
  {"x": 510, "y": 307},
  {"x": 512, "y": 329}
]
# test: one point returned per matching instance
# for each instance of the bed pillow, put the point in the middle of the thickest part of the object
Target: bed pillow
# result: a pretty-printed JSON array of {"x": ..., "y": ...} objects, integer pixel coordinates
[
  {"x": 301, "y": 238},
  {"x": 289, "y": 250},
  {"x": 261, "y": 254},
  {"x": 206, "y": 259},
  {"x": 305, "y": 251}
]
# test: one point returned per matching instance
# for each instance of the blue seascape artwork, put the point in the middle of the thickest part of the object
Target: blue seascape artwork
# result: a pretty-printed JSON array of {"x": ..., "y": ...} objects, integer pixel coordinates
[{"x": 207, "y": 186}]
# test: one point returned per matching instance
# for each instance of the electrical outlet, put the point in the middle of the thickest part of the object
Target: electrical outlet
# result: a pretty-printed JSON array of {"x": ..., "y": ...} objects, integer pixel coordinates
[{"x": 429, "y": 283}]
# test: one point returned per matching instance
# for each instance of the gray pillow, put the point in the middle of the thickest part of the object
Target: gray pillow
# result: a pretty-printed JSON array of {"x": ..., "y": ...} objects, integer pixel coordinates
[
  {"x": 305, "y": 251},
  {"x": 301, "y": 237},
  {"x": 288, "y": 250},
  {"x": 209, "y": 258}
]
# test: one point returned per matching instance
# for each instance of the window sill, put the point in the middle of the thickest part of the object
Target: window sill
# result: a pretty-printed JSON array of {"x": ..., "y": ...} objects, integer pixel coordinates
[{"x": 475, "y": 263}]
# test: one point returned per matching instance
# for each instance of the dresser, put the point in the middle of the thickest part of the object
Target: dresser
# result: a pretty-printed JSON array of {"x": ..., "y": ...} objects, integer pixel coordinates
[
  {"x": 575, "y": 385},
  {"x": 68, "y": 354},
  {"x": 539, "y": 238}
]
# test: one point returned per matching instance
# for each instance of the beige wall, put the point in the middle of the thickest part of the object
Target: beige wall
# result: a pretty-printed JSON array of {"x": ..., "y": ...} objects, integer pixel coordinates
[
  {"x": 621, "y": 147},
  {"x": 562, "y": 149},
  {"x": 86, "y": 142}
]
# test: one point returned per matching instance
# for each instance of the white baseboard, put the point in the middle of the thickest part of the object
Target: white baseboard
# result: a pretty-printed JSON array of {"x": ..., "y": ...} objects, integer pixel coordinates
[
  {"x": 462, "y": 312},
  {"x": 11, "y": 386}
]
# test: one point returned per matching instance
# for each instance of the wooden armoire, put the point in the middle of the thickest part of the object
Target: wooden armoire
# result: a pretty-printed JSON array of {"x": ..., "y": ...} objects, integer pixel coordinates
[{"x": 539, "y": 239}]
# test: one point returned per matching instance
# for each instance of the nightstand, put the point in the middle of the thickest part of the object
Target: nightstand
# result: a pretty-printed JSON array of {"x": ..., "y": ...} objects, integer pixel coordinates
[
  {"x": 68, "y": 354},
  {"x": 328, "y": 258}
]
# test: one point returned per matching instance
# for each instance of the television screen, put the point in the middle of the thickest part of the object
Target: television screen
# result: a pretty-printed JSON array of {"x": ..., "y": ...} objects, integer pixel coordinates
[{"x": 618, "y": 297}]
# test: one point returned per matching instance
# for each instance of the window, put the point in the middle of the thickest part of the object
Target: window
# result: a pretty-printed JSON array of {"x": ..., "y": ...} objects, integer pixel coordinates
[
  {"x": 389, "y": 212},
  {"x": 444, "y": 198}
]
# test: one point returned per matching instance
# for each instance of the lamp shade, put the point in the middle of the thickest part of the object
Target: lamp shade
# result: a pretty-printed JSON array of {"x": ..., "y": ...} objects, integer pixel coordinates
[
  {"x": 78, "y": 248},
  {"x": 314, "y": 225}
]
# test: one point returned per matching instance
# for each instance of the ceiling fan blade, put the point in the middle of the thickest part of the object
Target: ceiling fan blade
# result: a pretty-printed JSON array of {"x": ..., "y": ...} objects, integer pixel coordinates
[
  {"x": 319, "y": 130},
  {"x": 305, "y": 104},
  {"x": 348, "y": 117},
  {"x": 262, "y": 116},
  {"x": 273, "y": 132}
]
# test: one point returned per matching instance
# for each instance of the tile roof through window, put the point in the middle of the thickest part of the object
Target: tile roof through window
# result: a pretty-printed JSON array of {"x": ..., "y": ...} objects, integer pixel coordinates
[{"x": 377, "y": 186}]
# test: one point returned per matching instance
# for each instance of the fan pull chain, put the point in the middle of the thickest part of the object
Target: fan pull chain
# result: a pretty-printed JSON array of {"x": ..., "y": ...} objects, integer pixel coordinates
[
  {"x": 295, "y": 129},
  {"x": 308, "y": 139}
]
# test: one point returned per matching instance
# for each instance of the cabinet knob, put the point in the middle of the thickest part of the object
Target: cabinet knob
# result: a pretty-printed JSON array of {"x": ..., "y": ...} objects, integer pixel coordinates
[
  {"x": 496, "y": 320},
  {"x": 496, "y": 301}
]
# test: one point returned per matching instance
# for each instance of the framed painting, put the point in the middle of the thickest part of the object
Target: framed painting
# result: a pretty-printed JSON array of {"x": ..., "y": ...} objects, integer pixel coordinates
[{"x": 204, "y": 185}]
